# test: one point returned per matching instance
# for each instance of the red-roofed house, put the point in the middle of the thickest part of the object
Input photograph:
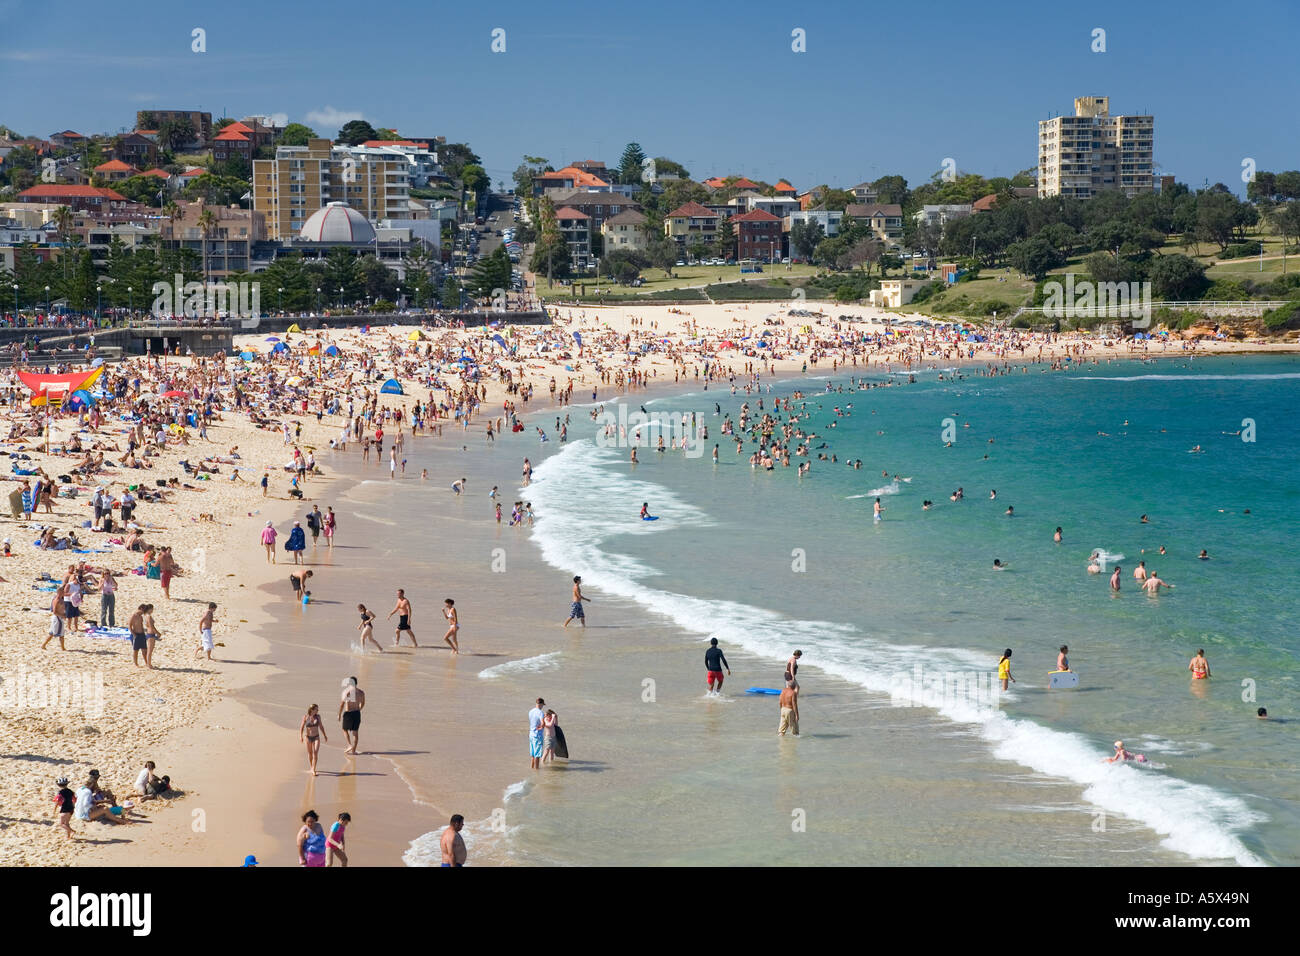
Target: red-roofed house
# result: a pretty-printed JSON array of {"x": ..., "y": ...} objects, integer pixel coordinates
[
  {"x": 758, "y": 236},
  {"x": 67, "y": 138},
  {"x": 691, "y": 223},
  {"x": 115, "y": 170},
  {"x": 784, "y": 189},
  {"x": 230, "y": 143},
  {"x": 566, "y": 180},
  {"x": 79, "y": 198}
]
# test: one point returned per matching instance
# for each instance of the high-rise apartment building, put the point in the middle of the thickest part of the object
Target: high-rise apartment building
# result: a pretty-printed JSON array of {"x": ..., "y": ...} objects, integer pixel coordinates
[
  {"x": 1083, "y": 154},
  {"x": 302, "y": 179}
]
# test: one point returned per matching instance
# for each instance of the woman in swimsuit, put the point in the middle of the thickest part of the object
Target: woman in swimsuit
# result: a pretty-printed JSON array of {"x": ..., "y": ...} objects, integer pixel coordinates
[
  {"x": 367, "y": 629},
  {"x": 311, "y": 841},
  {"x": 548, "y": 735},
  {"x": 313, "y": 731},
  {"x": 1199, "y": 666}
]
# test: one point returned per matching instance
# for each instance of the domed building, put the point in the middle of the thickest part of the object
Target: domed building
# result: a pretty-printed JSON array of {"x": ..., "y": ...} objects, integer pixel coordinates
[{"x": 337, "y": 222}]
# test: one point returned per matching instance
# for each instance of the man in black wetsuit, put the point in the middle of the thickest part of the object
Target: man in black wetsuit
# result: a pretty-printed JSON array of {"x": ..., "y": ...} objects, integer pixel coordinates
[{"x": 715, "y": 661}]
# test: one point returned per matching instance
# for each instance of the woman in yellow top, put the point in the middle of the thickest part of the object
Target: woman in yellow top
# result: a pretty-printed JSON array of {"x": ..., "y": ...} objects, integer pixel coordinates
[{"x": 1004, "y": 668}]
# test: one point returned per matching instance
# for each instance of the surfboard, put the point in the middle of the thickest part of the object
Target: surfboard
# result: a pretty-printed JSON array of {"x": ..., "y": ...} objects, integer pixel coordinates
[
  {"x": 650, "y": 518},
  {"x": 561, "y": 745},
  {"x": 1062, "y": 679},
  {"x": 762, "y": 690}
]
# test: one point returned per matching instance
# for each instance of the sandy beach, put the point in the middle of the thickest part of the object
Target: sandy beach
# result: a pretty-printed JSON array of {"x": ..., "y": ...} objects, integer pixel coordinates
[{"x": 228, "y": 744}]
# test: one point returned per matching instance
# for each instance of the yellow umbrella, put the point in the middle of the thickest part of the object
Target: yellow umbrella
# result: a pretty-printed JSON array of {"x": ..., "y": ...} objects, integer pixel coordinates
[
  {"x": 294, "y": 380},
  {"x": 293, "y": 328}
]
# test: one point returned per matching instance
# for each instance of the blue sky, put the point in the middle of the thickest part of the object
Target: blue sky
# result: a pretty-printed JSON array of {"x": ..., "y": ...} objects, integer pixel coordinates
[{"x": 881, "y": 89}]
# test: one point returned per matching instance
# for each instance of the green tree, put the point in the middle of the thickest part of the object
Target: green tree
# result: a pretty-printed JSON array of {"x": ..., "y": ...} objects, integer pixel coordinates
[
  {"x": 1034, "y": 257},
  {"x": 289, "y": 273},
  {"x": 1177, "y": 278},
  {"x": 296, "y": 134},
  {"x": 450, "y": 294},
  {"x": 725, "y": 243},
  {"x": 662, "y": 254},
  {"x": 891, "y": 189},
  {"x": 175, "y": 134},
  {"x": 804, "y": 237},
  {"x": 474, "y": 178},
  {"x": 629, "y": 166},
  {"x": 490, "y": 273},
  {"x": 354, "y": 132},
  {"x": 455, "y": 157},
  {"x": 216, "y": 190}
]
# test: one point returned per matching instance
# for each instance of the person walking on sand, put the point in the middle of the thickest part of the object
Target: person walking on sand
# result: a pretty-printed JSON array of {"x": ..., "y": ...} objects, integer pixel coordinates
[
  {"x": 449, "y": 612},
  {"x": 404, "y": 612},
  {"x": 330, "y": 526},
  {"x": 57, "y": 618},
  {"x": 789, "y": 701},
  {"x": 535, "y": 718},
  {"x": 334, "y": 843},
  {"x": 312, "y": 730},
  {"x": 1004, "y": 668},
  {"x": 107, "y": 598},
  {"x": 354, "y": 699},
  {"x": 714, "y": 662},
  {"x": 205, "y": 630},
  {"x": 575, "y": 606},
  {"x": 367, "y": 627},
  {"x": 139, "y": 640},
  {"x": 1199, "y": 666},
  {"x": 452, "y": 844},
  {"x": 66, "y": 801},
  {"x": 268, "y": 541},
  {"x": 311, "y": 841},
  {"x": 315, "y": 523},
  {"x": 297, "y": 542}
]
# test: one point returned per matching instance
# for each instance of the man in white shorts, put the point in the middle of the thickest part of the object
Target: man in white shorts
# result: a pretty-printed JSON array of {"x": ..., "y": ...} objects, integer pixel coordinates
[{"x": 205, "y": 630}]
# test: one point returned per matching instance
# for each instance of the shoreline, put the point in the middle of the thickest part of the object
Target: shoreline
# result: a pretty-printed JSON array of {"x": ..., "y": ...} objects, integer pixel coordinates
[{"x": 211, "y": 761}]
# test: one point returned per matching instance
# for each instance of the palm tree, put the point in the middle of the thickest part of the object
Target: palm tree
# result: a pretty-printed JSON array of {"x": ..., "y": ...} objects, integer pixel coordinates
[
  {"x": 63, "y": 221},
  {"x": 207, "y": 223}
]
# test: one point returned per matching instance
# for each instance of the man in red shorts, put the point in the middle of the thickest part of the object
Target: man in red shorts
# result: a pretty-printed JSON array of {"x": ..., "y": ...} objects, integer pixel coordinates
[{"x": 714, "y": 661}]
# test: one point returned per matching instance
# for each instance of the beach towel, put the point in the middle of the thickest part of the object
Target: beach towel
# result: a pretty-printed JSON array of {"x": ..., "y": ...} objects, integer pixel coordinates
[{"x": 107, "y": 633}]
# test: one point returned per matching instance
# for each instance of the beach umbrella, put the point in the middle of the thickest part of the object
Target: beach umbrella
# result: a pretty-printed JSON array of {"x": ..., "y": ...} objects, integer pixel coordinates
[
  {"x": 80, "y": 399},
  {"x": 577, "y": 337},
  {"x": 270, "y": 338},
  {"x": 279, "y": 347},
  {"x": 247, "y": 356},
  {"x": 332, "y": 350},
  {"x": 293, "y": 328},
  {"x": 97, "y": 363},
  {"x": 499, "y": 340},
  {"x": 392, "y": 387},
  {"x": 174, "y": 394}
]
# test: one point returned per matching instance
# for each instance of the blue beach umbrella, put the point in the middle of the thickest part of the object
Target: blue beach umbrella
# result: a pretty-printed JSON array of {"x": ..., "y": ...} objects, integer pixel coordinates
[
  {"x": 247, "y": 356},
  {"x": 392, "y": 387},
  {"x": 577, "y": 337},
  {"x": 332, "y": 350}
]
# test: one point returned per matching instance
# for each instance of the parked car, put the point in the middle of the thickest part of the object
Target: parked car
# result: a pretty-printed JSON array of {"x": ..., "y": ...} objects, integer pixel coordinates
[
  {"x": 681, "y": 262},
  {"x": 785, "y": 261}
]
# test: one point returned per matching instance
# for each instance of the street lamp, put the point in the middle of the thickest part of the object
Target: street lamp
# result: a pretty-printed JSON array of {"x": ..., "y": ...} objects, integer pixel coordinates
[
  {"x": 15, "y": 303},
  {"x": 281, "y": 300},
  {"x": 340, "y": 297},
  {"x": 47, "y": 303},
  {"x": 318, "y": 299},
  {"x": 130, "y": 300}
]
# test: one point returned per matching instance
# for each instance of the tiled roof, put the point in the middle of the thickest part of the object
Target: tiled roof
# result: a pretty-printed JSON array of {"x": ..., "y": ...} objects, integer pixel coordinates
[
  {"x": 984, "y": 203},
  {"x": 568, "y": 212},
  {"x": 758, "y": 215},
  {"x": 113, "y": 166},
  {"x": 864, "y": 210},
  {"x": 628, "y": 217},
  {"x": 238, "y": 127},
  {"x": 784, "y": 187},
  {"x": 55, "y": 190},
  {"x": 694, "y": 210},
  {"x": 231, "y": 135},
  {"x": 160, "y": 173}
]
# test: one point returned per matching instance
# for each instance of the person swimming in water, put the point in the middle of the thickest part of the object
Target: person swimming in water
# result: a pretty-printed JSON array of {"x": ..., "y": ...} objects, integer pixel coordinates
[{"x": 1121, "y": 755}]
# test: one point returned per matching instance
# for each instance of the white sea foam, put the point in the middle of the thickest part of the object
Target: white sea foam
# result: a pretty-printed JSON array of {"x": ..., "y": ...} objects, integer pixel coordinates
[
  {"x": 586, "y": 503},
  {"x": 487, "y": 842},
  {"x": 526, "y": 665}
]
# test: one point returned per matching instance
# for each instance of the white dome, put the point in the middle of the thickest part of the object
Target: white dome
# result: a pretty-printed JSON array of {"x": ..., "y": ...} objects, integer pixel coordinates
[{"x": 337, "y": 222}]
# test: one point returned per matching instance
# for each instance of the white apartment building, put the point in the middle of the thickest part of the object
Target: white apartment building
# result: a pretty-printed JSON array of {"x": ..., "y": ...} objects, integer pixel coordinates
[{"x": 1091, "y": 151}]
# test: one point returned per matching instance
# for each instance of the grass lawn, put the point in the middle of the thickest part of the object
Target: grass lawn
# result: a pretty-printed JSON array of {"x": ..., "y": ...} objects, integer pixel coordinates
[
  {"x": 980, "y": 296},
  {"x": 683, "y": 277}
]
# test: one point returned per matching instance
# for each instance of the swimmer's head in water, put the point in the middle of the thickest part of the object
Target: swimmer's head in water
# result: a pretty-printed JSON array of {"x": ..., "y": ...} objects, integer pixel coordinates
[{"x": 1262, "y": 712}]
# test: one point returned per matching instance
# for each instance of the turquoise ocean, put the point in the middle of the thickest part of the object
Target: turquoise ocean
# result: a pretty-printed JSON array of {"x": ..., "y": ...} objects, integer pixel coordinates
[{"x": 909, "y": 755}]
